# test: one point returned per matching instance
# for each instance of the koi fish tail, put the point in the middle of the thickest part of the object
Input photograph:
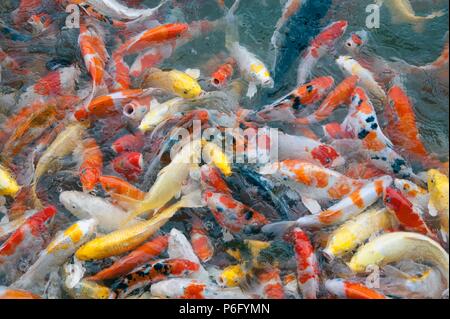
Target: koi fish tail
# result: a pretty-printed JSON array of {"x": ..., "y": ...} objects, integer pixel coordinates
[{"x": 231, "y": 28}]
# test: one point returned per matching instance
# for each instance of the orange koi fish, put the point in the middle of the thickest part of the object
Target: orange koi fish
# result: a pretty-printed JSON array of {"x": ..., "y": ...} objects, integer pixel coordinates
[
  {"x": 91, "y": 164},
  {"x": 351, "y": 290}
]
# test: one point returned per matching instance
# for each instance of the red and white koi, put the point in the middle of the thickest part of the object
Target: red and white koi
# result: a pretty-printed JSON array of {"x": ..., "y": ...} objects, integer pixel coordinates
[
  {"x": 129, "y": 164},
  {"x": 349, "y": 207},
  {"x": 307, "y": 264},
  {"x": 221, "y": 76},
  {"x": 351, "y": 290},
  {"x": 271, "y": 285},
  {"x": 233, "y": 215},
  {"x": 415, "y": 194},
  {"x": 410, "y": 217},
  {"x": 319, "y": 47},
  {"x": 91, "y": 164},
  {"x": 23, "y": 246},
  {"x": 200, "y": 241}
]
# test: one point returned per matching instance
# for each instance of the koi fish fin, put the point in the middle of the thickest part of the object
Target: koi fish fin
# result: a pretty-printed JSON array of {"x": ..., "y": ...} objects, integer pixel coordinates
[
  {"x": 252, "y": 90},
  {"x": 231, "y": 27},
  {"x": 312, "y": 205},
  {"x": 193, "y": 73},
  {"x": 278, "y": 229},
  {"x": 432, "y": 210}
]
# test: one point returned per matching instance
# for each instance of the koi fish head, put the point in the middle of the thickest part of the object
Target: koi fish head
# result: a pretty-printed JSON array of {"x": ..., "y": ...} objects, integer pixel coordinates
[
  {"x": 395, "y": 200},
  {"x": 313, "y": 91},
  {"x": 356, "y": 41},
  {"x": 327, "y": 156},
  {"x": 129, "y": 164},
  {"x": 185, "y": 86},
  {"x": 135, "y": 110},
  {"x": 260, "y": 74},
  {"x": 437, "y": 180},
  {"x": 359, "y": 96},
  {"x": 128, "y": 143}
]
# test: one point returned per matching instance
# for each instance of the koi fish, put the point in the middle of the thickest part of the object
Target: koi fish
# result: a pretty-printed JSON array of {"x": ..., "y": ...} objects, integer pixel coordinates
[
  {"x": 220, "y": 77},
  {"x": 174, "y": 81},
  {"x": 9, "y": 293},
  {"x": 135, "y": 259},
  {"x": 86, "y": 289},
  {"x": 362, "y": 123},
  {"x": 271, "y": 285},
  {"x": 289, "y": 9},
  {"x": 438, "y": 205},
  {"x": 351, "y": 290},
  {"x": 356, "y": 41},
  {"x": 200, "y": 241},
  {"x": 319, "y": 47},
  {"x": 120, "y": 191},
  {"x": 233, "y": 215},
  {"x": 91, "y": 164},
  {"x": 410, "y": 217},
  {"x": 366, "y": 79},
  {"x": 307, "y": 264},
  {"x": 119, "y": 71},
  {"x": 300, "y": 98},
  {"x": 23, "y": 246},
  {"x": 129, "y": 165},
  {"x": 212, "y": 180},
  {"x": 129, "y": 238},
  {"x": 357, "y": 231},
  {"x": 128, "y": 143},
  {"x": 252, "y": 68},
  {"x": 8, "y": 184},
  {"x": 340, "y": 95},
  {"x": 397, "y": 246},
  {"x": 349, "y": 207},
  {"x": 85, "y": 206},
  {"x": 232, "y": 276},
  {"x": 403, "y": 12},
  {"x": 9, "y": 227},
  {"x": 160, "y": 113},
  {"x": 183, "y": 288},
  {"x": 115, "y": 10},
  {"x": 139, "y": 107},
  {"x": 213, "y": 154},
  {"x": 56, "y": 254},
  {"x": 107, "y": 105},
  {"x": 157, "y": 35},
  {"x": 313, "y": 181},
  {"x": 290, "y": 285},
  {"x": 40, "y": 22},
  {"x": 64, "y": 144},
  {"x": 154, "y": 272}
]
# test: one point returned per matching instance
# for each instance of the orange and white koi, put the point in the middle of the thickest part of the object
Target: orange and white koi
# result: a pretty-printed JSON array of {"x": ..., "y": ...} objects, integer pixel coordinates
[
  {"x": 351, "y": 290},
  {"x": 356, "y": 42},
  {"x": 122, "y": 192},
  {"x": 56, "y": 254},
  {"x": 24, "y": 245},
  {"x": 107, "y": 105},
  {"x": 133, "y": 260},
  {"x": 290, "y": 284},
  {"x": 409, "y": 217},
  {"x": 300, "y": 98},
  {"x": 319, "y": 47},
  {"x": 154, "y": 272},
  {"x": 313, "y": 181},
  {"x": 151, "y": 58},
  {"x": 349, "y": 207},
  {"x": 119, "y": 71},
  {"x": 234, "y": 215},
  {"x": 200, "y": 241},
  {"x": 183, "y": 288},
  {"x": 339, "y": 96},
  {"x": 307, "y": 264},
  {"x": 91, "y": 164},
  {"x": 271, "y": 285},
  {"x": 366, "y": 79},
  {"x": 221, "y": 76}
]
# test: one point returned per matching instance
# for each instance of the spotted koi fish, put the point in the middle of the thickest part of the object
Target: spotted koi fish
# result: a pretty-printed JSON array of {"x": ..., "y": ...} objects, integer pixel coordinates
[
  {"x": 319, "y": 47},
  {"x": 313, "y": 181},
  {"x": 349, "y": 207},
  {"x": 233, "y": 215},
  {"x": 200, "y": 241},
  {"x": 298, "y": 99},
  {"x": 23, "y": 246},
  {"x": 307, "y": 264},
  {"x": 362, "y": 123},
  {"x": 271, "y": 285},
  {"x": 154, "y": 272}
]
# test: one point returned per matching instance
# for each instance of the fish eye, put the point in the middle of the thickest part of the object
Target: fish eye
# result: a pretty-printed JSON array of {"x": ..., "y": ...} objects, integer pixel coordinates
[
  {"x": 309, "y": 88},
  {"x": 186, "y": 92},
  {"x": 388, "y": 199}
]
